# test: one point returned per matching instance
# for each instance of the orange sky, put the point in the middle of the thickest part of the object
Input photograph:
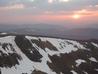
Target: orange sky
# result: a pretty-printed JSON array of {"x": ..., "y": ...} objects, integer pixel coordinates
[
  {"x": 63, "y": 12},
  {"x": 84, "y": 15}
]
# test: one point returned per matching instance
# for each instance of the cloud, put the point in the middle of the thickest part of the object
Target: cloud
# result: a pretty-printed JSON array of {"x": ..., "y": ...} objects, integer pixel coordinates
[
  {"x": 63, "y": 0},
  {"x": 96, "y": 5},
  {"x": 47, "y": 10},
  {"x": 32, "y": 0},
  {"x": 85, "y": 12},
  {"x": 57, "y": 1},
  {"x": 93, "y": 6},
  {"x": 50, "y": 1},
  {"x": 54, "y": 5},
  {"x": 11, "y": 7}
]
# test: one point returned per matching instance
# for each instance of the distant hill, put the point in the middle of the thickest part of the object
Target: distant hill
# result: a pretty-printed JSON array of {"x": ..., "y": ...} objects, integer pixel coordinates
[
  {"x": 52, "y": 31},
  {"x": 84, "y": 33}
]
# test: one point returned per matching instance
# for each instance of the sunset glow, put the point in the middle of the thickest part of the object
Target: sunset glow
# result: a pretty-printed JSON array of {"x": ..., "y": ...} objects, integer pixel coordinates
[
  {"x": 81, "y": 11},
  {"x": 64, "y": 0},
  {"x": 76, "y": 16},
  {"x": 61, "y": 12},
  {"x": 50, "y": 1}
]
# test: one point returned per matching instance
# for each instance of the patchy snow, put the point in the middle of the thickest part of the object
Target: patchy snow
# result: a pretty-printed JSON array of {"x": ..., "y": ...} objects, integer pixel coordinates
[
  {"x": 96, "y": 45},
  {"x": 96, "y": 69},
  {"x": 3, "y": 33},
  {"x": 3, "y": 50},
  {"x": 79, "y": 61},
  {"x": 73, "y": 72},
  {"x": 7, "y": 39},
  {"x": 61, "y": 73},
  {"x": 30, "y": 37},
  {"x": 85, "y": 72},
  {"x": 51, "y": 52},
  {"x": 76, "y": 43},
  {"x": 25, "y": 65},
  {"x": 93, "y": 59},
  {"x": 42, "y": 66},
  {"x": 61, "y": 45},
  {"x": 7, "y": 50},
  {"x": 28, "y": 66}
]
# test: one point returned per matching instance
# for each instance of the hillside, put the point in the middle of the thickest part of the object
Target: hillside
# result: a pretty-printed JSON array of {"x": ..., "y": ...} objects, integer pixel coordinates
[{"x": 42, "y": 55}]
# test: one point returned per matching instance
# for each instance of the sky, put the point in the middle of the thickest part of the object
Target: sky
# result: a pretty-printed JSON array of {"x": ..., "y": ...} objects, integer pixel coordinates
[{"x": 83, "y": 13}]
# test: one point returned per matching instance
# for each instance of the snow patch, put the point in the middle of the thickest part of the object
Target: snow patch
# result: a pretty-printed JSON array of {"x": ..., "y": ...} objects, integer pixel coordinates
[
  {"x": 96, "y": 45},
  {"x": 96, "y": 69},
  {"x": 73, "y": 72},
  {"x": 79, "y": 61},
  {"x": 3, "y": 33},
  {"x": 85, "y": 72},
  {"x": 93, "y": 59}
]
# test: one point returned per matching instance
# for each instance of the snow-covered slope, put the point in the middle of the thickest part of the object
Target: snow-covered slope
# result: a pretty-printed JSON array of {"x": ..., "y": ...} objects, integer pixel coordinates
[{"x": 41, "y": 55}]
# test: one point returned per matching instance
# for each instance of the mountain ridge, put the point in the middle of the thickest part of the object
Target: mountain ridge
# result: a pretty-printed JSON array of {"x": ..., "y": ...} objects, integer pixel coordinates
[
  {"x": 52, "y": 31},
  {"x": 42, "y": 55}
]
